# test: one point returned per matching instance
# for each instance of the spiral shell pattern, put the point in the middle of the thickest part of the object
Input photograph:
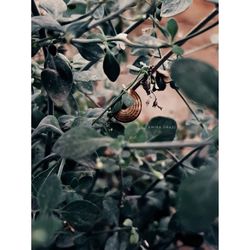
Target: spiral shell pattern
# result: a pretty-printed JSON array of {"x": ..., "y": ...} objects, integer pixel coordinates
[{"x": 132, "y": 112}]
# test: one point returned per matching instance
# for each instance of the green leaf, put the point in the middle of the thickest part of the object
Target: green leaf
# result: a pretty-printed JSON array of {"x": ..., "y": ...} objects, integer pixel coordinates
[
  {"x": 198, "y": 81},
  {"x": 89, "y": 51},
  {"x": 172, "y": 28},
  {"x": 112, "y": 242},
  {"x": 173, "y": 7},
  {"x": 111, "y": 211},
  {"x": 81, "y": 214},
  {"x": 50, "y": 194},
  {"x": 111, "y": 66},
  {"x": 161, "y": 129},
  {"x": 197, "y": 200},
  {"x": 80, "y": 141},
  {"x": 48, "y": 123},
  {"x": 177, "y": 50},
  {"x": 44, "y": 230}
]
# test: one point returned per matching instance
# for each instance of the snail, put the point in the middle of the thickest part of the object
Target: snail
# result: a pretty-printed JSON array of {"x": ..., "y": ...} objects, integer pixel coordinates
[{"x": 132, "y": 112}]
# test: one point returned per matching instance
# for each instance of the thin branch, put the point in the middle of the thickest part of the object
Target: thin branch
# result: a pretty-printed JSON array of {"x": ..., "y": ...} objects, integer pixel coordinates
[
  {"x": 192, "y": 111},
  {"x": 171, "y": 169},
  {"x": 91, "y": 100},
  {"x": 60, "y": 170},
  {"x": 176, "y": 160},
  {"x": 166, "y": 145}
]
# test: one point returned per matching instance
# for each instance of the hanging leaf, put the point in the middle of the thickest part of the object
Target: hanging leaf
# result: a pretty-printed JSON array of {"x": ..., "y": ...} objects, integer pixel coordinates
[
  {"x": 57, "y": 78},
  {"x": 81, "y": 214},
  {"x": 159, "y": 79},
  {"x": 198, "y": 81},
  {"x": 47, "y": 22},
  {"x": 173, "y": 7},
  {"x": 111, "y": 66},
  {"x": 89, "y": 51},
  {"x": 172, "y": 28},
  {"x": 50, "y": 194},
  {"x": 161, "y": 129},
  {"x": 80, "y": 141},
  {"x": 199, "y": 191}
]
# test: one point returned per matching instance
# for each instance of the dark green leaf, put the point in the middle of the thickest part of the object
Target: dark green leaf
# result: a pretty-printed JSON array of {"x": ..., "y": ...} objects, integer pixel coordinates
[
  {"x": 89, "y": 51},
  {"x": 197, "y": 200},
  {"x": 111, "y": 211},
  {"x": 172, "y": 28},
  {"x": 177, "y": 50},
  {"x": 50, "y": 194},
  {"x": 81, "y": 214},
  {"x": 111, "y": 66},
  {"x": 198, "y": 80},
  {"x": 80, "y": 141},
  {"x": 57, "y": 78},
  {"x": 47, "y": 22},
  {"x": 112, "y": 242},
  {"x": 173, "y": 7},
  {"x": 44, "y": 230},
  {"x": 48, "y": 123},
  {"x": 161, "y": 129},
  {"x": 159, "y": 79}
]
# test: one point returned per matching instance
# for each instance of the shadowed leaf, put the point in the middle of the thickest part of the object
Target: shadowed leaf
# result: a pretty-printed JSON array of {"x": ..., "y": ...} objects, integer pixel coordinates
[{"x": 111, "y": 66}]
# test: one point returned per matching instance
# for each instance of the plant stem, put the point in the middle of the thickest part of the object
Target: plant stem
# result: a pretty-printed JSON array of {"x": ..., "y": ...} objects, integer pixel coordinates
[
  {"x": 166, "y": 145},
  {"x": 60, "y": 170},
  {"x": 171, "y": 169}
]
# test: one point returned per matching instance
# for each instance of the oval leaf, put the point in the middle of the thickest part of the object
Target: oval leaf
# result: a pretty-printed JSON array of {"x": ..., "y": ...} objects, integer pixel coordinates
[
  {"x": 173, "y": 7},
  {"x": 189, "y": 197},
  {"x": 80, "y": 141},
  {"x": 57, "y": 78},
  {"x": 172, "y": 28},
  {"x": 89, "y": 51},
  {"x": 111, "y": 66},
  {"x": 50, "y": 194},
  {"x": 161, "y": 129},
  {"x": 198, "y": 81},
  {"x": 81, "y": 214}
]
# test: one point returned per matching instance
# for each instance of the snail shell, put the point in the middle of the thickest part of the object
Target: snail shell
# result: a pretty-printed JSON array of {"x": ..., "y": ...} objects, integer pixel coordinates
[{"x": 132, "y": 112}]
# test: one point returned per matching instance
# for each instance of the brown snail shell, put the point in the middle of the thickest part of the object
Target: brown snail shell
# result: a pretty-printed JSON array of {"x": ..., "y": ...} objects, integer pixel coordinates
[{"x": 132, "y": 112}]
